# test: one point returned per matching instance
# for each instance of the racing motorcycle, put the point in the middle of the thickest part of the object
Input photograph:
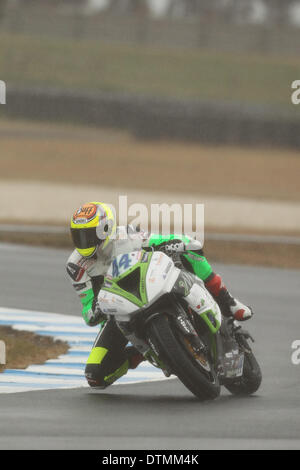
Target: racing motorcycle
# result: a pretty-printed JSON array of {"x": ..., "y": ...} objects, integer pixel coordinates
[{"x": 204, "y": 350}]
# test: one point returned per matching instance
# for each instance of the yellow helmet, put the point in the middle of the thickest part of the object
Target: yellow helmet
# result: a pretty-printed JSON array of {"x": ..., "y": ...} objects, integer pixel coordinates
[{"x": 92, "y": 225}]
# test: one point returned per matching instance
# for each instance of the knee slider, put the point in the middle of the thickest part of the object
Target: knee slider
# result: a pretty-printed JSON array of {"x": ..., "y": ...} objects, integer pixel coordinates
[{"x": 94, "y": 377}]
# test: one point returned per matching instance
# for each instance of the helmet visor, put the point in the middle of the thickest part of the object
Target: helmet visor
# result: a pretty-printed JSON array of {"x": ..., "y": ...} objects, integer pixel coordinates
[{"x": 84, "y": 237}]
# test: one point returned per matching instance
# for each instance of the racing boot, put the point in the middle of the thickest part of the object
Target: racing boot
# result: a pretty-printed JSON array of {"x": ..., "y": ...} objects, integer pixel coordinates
[{"x": 230, "y": 307}]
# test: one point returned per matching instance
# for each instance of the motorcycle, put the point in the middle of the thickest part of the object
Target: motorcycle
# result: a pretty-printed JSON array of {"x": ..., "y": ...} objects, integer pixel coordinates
[{"x": 203, "y": 350}]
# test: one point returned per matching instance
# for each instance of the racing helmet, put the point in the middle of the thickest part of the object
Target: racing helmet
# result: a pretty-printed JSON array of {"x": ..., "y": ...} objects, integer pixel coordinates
[{"x": 92, "y": 225}]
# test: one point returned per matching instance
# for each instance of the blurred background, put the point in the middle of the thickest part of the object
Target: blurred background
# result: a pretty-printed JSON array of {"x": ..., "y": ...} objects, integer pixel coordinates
[{"x": 160, "y": 100}]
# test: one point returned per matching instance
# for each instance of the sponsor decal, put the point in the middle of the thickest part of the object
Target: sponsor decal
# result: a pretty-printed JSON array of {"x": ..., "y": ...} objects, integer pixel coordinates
[
  {"x": 144, "y": 258},
  {"x": 165, "y": 273},
  {"x": 159, "y": 260},
  {"x": 85, "y": 214}
]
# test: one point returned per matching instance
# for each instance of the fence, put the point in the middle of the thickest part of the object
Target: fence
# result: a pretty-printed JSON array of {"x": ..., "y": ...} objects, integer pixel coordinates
[
  {"x": 152, "y": 118},
  {"x": 190, "y": 32}
]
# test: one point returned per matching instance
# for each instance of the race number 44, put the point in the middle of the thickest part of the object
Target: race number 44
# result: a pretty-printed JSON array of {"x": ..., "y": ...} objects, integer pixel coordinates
[
  {"x": 296, "y": 354},
  {"x": 2, "y": 353}
]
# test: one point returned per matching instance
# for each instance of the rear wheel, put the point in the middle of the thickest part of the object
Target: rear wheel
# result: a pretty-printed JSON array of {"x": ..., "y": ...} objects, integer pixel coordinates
[
  {"x": 191, "y": 367},
  {"x": 251, "y": 379}
]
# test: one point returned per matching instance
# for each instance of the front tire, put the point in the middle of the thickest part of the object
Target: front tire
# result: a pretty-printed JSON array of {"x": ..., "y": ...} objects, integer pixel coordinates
[{"x": 171, "y": 347}]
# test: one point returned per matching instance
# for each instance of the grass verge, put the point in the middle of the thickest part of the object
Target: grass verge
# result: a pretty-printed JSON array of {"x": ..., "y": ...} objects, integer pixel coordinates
[
  {"x": 79, "y": 155},
  {"x": 25, "y": 348}
]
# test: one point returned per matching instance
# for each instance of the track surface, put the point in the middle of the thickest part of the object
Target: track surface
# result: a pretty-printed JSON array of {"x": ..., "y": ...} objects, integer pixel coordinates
[{"x": 162, "y": 415}]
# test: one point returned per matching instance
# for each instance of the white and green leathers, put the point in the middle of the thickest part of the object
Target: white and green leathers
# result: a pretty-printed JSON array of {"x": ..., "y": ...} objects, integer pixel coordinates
[{"x": 87, "y": 273}]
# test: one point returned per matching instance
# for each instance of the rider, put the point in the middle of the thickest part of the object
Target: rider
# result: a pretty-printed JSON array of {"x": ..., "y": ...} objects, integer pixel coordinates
[{"x": 97, "y": 241}]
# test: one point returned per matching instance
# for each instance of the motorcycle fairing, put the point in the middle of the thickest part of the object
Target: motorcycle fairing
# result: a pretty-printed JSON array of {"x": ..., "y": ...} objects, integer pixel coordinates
[{"x": 153, "y": 273}]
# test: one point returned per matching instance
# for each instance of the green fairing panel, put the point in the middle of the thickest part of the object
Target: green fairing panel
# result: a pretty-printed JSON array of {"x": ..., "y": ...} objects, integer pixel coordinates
[
  {"x": 116, "y": 289},
  {"x": 199, "y": 263}
]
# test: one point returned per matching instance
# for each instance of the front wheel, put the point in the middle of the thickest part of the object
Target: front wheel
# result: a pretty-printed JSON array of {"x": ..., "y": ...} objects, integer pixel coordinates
[{"x": 175, "y": 350}]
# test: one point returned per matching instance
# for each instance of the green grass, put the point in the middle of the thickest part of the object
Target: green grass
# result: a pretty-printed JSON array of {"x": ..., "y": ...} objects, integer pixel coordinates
[{"x": 196, "y": 74}]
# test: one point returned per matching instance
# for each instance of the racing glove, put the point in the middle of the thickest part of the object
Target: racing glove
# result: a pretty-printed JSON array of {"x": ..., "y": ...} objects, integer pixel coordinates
[
  {"x": 95, "y": 315},
  {"x": 173, "y": 249},
  {"x": 171, "y": 246}
]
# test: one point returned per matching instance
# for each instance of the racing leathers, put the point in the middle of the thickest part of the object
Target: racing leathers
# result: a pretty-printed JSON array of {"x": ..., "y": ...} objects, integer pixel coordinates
[{"x": 110, "y": 358}]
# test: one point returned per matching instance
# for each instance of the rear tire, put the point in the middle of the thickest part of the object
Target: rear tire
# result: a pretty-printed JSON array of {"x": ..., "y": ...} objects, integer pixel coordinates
[
  {"x": 251, "y": 379},
  {"x": 176, "y": 356}
]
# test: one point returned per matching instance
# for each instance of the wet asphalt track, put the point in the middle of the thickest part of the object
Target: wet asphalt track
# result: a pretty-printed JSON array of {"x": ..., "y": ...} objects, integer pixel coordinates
[{"x": 161, "y": 415}]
